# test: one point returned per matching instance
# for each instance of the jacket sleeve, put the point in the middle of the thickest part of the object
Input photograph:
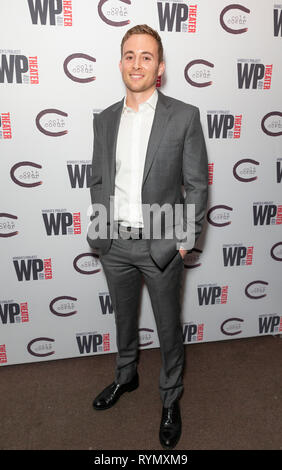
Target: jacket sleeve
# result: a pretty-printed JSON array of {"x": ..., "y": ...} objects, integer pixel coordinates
[
  {"x": 195, "y": 179},
  {"x": 96, "y": 177}
]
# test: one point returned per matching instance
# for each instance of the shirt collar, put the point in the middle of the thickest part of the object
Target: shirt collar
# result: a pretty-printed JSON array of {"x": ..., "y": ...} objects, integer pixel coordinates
[{"x": 152, "y": 102}]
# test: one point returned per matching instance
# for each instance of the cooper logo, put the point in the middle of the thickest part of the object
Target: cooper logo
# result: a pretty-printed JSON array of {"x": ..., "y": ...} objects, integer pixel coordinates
[
  {"x": 63, "y": 306},
  {"x": 192, "y": 259},
  {"x": 26, "y": 177},
  {"x": 271, "y": 124},
  {"x": 253, "y": 291},
  {"x": 248, "y": 168},
  {"x": 7, "y": 225},
  {"x": 41, "y": 347},
  {"x": 276, "y": 251},
  {"x": 79, "y": 67},
  {"x": 197, "y": 73},
  {"x": 51, "y": 122},
  {"x": 114, "y": 16},
  {"x": 232, "y": 326},
  {"x": 228, "y": 19},
  {"x": 219, "y": 219},
  {"x": 87, "y": 263},
  {"x": 145, "y": 337}
]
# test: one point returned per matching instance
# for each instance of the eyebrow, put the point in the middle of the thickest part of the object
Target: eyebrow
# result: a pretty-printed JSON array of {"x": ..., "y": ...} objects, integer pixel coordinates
[{"x": 143, "y": 52}]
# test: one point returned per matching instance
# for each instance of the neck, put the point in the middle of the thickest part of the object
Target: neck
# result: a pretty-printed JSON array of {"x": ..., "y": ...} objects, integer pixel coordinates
[{"x": 133, "y": 99}]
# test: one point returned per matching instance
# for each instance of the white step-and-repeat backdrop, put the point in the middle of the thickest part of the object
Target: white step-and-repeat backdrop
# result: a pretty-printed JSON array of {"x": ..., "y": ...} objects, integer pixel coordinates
[{"x": 59, "y": 65}]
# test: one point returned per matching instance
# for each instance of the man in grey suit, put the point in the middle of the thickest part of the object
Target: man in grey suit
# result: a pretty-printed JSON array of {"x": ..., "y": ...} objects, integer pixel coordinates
[{"x": 145, "y": 148}]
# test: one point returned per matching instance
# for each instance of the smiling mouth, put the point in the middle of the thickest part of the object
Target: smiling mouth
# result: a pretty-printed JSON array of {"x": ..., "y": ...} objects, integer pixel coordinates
[{"x": 136, "y": 76}]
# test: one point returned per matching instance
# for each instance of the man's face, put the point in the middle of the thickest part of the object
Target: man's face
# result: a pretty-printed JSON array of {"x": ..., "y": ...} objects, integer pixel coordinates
[{"x": 139, "y": 64}]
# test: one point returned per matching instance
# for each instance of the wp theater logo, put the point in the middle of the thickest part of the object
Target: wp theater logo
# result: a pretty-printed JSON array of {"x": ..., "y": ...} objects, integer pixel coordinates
[
  {"x": 79, "y": 67},
  {"x": 224, "y": 125},
  {"x": 32, "y": 268},
  {"x": 105, "y": 303},
  {"x": 5, "y": 126},
  {"x": 18, "y": 68},
  {"x": 63, "y": 306},
  {"x": 12, "y": 312},
  {"x": 267, "y": 213},
  {"x": 93, "y": 343},
  {"x": 177, "y": 16},
  {"x": 211, "y": 172},
  {"x": 48, "y": 122},
  {"x": 3, "y": 354},
  {"x": 80, "y": 173},
  {"x": 114, "y": 13},
  {"x": 8, "y": 225},
  {"x": 270, "y": 324},
  {"x": 26, "y": 174},
  {"x": 219, "y": 215},
  {"x": 279, "y": 170},
  {"x": 212, "y": 294},
  {"x": 252, "y": 74},
  {"x": 237, "y": 255},
  {"x": 61, "y": 222},
  {"x": 233, "y": 18},
  {"x": 54, "y": 12},
  {"x": 245, "y": 170},
  {"x": 271, "y": 124},
  {"x": 198, "y": 73},
  {"x": 193, "y": 332},
  {"x": 277, "y": 20}
]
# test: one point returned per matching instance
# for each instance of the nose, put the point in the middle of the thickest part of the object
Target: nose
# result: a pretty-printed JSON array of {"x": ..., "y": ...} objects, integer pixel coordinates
[{"x": 136, "y": 64}]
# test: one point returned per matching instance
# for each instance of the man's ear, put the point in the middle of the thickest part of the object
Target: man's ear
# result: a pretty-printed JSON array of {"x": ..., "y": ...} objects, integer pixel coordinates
[
  {"x": 161, "y": 68},
  {"x": 119, "y": 65}
]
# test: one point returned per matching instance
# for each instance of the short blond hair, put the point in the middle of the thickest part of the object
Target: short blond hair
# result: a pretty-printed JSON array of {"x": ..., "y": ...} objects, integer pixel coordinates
[{"x": 144, "y": 29}]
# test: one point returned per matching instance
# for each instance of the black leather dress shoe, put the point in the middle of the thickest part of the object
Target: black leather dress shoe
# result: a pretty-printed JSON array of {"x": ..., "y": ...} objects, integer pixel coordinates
[
  {"x": 170, "y": 428},
  {"x": 110, "y": 395}
]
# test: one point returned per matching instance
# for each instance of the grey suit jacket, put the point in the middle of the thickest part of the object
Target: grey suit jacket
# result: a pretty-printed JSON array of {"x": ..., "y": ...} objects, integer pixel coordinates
[{"x": 176, "y": 155}]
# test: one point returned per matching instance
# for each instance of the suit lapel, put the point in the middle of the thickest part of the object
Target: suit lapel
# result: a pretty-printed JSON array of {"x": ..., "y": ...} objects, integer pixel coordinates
[
  {"x": 158, "y": 128},
  {"x": 111, "y": 141}
]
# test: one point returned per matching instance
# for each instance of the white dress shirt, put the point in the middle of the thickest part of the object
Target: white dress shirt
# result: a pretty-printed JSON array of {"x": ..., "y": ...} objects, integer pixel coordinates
[{"x": 132, "y": 142}]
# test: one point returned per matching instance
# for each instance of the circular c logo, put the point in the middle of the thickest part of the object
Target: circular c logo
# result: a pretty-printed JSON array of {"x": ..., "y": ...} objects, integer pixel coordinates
[
  {"x": 265, "y": 130},
  {"x": 73, "y": 77},
  {"x": 240, "y": 162},
  {"x": 234, "y": 6},
  {"x": 192, "y": 82},
  {"x": 110, "y": 22}
]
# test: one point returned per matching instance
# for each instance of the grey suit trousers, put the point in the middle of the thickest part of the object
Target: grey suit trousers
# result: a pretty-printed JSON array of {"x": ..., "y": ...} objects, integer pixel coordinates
[{"x": 125, "y": 265}]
